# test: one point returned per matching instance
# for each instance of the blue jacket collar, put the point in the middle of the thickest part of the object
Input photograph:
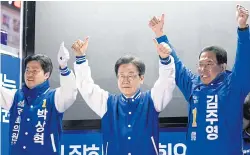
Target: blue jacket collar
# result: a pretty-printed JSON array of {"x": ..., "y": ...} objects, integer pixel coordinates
[
  {"x": 36, "y": 91},
  {"x": 133, "y": 98},
  {"x": 219, "y": 78}
]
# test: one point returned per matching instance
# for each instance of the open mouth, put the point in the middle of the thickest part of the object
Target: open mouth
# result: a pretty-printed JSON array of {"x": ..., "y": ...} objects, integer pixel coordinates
[{"x": 204, "y": 75}]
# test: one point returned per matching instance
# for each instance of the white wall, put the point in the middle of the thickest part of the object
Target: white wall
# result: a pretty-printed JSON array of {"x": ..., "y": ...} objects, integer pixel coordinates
[{"x": 118, "y": 28}]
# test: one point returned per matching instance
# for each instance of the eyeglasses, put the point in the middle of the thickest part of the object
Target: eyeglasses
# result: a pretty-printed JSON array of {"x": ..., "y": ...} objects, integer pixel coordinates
[
  {"x": 33, "y": 72},
  {"x": 130, "y": 77}
]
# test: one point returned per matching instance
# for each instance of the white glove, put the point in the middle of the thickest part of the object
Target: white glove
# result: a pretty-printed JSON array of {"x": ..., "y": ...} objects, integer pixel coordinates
[{"x": 63, "y": 55}]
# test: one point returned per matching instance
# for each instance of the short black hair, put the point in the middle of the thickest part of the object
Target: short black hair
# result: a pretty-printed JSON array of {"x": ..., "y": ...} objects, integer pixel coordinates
[
  {"x": 220, "y": 53},
  {"x": 133, "y": 60},
  {"x": 44, "y": 61}
]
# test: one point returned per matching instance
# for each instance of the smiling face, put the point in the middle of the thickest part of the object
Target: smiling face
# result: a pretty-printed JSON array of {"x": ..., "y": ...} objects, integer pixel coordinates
[
  {"x": 208, "y": 67},
  {"x": 34, "y": 74},
  {"x": 38, "y": 68}
]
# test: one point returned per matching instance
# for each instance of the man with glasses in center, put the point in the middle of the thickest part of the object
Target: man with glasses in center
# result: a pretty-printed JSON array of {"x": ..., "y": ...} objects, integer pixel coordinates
[{"x": 130, "y": 119}]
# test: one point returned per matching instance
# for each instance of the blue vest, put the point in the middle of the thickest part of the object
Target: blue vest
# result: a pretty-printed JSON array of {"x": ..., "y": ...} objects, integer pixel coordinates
[
  {"x": 35, "y": 123},
  {"x": 213, "y": 120},
  {"x": 130, "y": 126}
]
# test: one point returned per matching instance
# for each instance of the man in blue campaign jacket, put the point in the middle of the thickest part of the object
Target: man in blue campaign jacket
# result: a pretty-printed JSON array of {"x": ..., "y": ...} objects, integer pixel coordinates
[
  {"x": 130, "y": 119},
  {"x": 36, "y": 110},
  {"x": 215, "y": 96}
]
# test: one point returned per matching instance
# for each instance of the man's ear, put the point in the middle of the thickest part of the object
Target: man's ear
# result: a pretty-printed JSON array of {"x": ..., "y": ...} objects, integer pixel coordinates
[
  {"x": 47, "y": 75},
  {"x": 224, "y": 67},
  {"x": 142, "y": 79}
]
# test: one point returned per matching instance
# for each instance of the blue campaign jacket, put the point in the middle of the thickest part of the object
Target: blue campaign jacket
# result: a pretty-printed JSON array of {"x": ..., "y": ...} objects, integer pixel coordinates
[
  {"x": 130, "y": 126},
  {"x": 27, "y": 119}
]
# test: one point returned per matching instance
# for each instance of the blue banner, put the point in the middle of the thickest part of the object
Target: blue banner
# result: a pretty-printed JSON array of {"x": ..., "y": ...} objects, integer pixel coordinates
[
  {"x": 172, "y": 142},
  {"x": 9, "y": 78}
]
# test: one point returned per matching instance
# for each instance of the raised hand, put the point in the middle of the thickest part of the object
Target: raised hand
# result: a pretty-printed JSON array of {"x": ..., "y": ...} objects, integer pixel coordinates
[
  {"x": 163, "y": 49},
  {"x": 241, "y": 16},
  {"x": 156, "y": 24},
  {"x": 63, "y": 56},
  {"x": 79, "y": 47}
]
